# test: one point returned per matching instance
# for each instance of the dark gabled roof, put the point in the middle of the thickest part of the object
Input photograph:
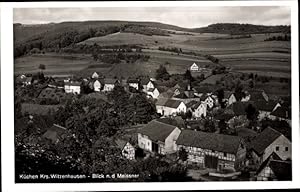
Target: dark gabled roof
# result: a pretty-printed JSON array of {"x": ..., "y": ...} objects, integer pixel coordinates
[
  {"x": 166, "y": 94},
  {"x": 205, "y": 96},
  {"x": 54, "y": 132},
  {"x": 256, "y": 95},
  {"x": 264, "y": 139},
  {"x": 176, "y": 121},
  {"x": 227, "y": 94},
  {"x": 120, "y": 143},
  {"x": 238, "y": 108},
  {"x": 145, "y": 80},
  {"x": 281, "y": 169},
  {"x": 73, "y": 83},
  {"x": 133, "y": 80},
  {"x": 157, "y": 131},
  {"x": 110, "y": 81},
  {"x": 172, "y": 103},
  {"x": 181, "y": 95},
  {"x": 267, "y": 161},
  {"x": 168, "y": 102},
  {"x": 191, "y": 104},
  {"x": 212, "y": 141},
  {"x": 282, "y": 112},
  {"x": 203, "y": 89},
  {"x": 262, "y": 105}
]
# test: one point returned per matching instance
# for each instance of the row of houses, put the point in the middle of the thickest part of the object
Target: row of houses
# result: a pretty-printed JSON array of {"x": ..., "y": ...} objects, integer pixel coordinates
[{"x": 213, "y": 150}]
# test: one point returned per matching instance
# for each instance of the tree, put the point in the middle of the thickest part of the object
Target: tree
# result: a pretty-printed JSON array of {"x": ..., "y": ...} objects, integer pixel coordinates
[
  {"x": 251, "y": 84},
  {"x": 220, "y": 95},
  {"x": 183, "y": 155},
  {"x": 251, "y": 112},
  {"x": 162, "y": 73},
  {"x": 222, "y": 126},
  {"x": 209, "y": 126},
  {"x": 42, "y": 67},
  {"x": 188, "y": 75}
]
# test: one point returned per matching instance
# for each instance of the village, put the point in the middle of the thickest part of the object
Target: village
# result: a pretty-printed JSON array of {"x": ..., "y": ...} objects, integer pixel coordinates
[{"x": 215, "y": 134}]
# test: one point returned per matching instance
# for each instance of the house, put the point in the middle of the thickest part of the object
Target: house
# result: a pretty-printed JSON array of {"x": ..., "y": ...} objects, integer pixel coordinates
[
  {"x": 281, "y": 113},
  {"x": 194, "y": 67},
  {"x": 198, "y": 109},
  {"x": 255, "y": 95},
  {"x": 97, "y": 85},
  {"x": 265, "y": 108},
  {"x": 167, "y": 107},
  {"x": 267, "y": 142},
  {"x": 109, "y": 84},
  {"x": 153, "y": 92},
  {"x": 229, "y": 97},
  {"x": 186, "y": 97},
  {"x": 274, "y": 169},
  {"x": 54, "y": 133},
  {"x": 208, "y": 99},
  {"x": 95, "y": 75},
  {"x": 135, "y": 83},
  {"x": 212, "y": 150},
  {"x": 158, "y": 137},
  {"x": 127, "y": 150},
  {"x": 72, "y": 87},
  {"x": 147, "y": 84}
]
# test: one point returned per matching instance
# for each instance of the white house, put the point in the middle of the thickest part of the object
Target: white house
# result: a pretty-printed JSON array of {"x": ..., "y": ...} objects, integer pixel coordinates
[
  {"x": 158, "y": 137},
  {"x": 133, "y": 83},
  {"x": 208, "y": 99},
  {"x": 109, "y": 84},
  {"x": 267, "y": 142},
  {"x": 127, "y": 150},
  {"x": 147, "y": 84},
  {"x": 153, "y": 92},
  {"x": 95, "y": 75},
  {"x": 167, "y": 107},
  {"x": 212, "y": 150},
  {"x": 200, "y": 110},
  {"x": 194, "y": 67},
  {"x": 97, "y": 86},
  {"x": 72, "y": 87}
]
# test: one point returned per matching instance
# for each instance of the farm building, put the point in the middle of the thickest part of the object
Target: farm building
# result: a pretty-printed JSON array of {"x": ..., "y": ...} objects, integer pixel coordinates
[
  {"x": 198, "y": 109},
  {"x": 153, "y": 92},
  {"x": 109, "y": 84},
  {"x": 54, "y": 133},
  {"x": 209, "y": 99},
  {"x": 265, "y": 108},
  {"x": 194, "y": 67},
  {"x": 229, "y": 97},
  {"x": 72, "y": 87},
  {"x": 168, "y": 107},
  {"x": 147, "y": 84},
  {"x": 255, "y": 95},
  {"x": 127, "y": 150},
  {"x": 211, "y": 150},
  {"x": 158, "y": 137},
  {"x": 281, "y": 113},
  {"x": 135, "y": 83},
  {"x": 267, "y": 142},
  {"x": 274, "y": 169}
]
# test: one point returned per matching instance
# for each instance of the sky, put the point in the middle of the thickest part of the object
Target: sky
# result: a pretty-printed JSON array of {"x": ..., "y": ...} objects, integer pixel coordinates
[{"x": 189, "y": 17}]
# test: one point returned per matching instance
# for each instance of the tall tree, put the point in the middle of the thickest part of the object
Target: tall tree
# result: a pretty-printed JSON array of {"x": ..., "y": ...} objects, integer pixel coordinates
[{"x": 162, "y": 73}]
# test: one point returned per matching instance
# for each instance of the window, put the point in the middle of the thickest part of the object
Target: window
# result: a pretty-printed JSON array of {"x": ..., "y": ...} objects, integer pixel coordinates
[
  {"x": 286, "y": 148},
  {"x": 277, "y": 148}
]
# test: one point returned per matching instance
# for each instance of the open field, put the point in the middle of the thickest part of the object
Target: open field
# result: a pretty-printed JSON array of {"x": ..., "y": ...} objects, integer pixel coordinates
[
  {"x": 249, "y": 55},
  {"x": 54, "y": 63}
]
